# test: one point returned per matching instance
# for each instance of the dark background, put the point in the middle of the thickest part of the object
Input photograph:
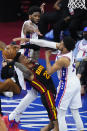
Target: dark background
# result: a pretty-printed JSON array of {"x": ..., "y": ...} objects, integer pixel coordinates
[{"x": 12, "y": 10}]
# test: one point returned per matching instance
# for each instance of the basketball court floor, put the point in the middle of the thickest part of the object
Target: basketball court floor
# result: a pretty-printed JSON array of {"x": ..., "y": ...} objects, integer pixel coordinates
[{"x": 35, "y": 115}]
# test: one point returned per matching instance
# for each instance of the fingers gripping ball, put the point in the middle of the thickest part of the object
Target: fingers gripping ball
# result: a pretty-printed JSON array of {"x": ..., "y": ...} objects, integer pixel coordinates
[{"x": 9, "y": 52}]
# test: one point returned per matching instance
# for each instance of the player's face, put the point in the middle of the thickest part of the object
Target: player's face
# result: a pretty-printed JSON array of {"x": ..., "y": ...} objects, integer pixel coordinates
[
  {"x": 35, "y": 17},
  {"x": 25, "y": 61}
]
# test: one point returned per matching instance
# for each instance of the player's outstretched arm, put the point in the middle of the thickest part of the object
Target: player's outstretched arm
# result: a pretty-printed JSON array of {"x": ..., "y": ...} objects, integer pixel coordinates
[
  {"x": 39, "y": 42},
  {"x": 21, "y": 39}
]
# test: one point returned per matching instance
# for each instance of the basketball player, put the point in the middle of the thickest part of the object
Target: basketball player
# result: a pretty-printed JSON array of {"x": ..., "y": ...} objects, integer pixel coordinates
[
  {"x": 68, "y": 94},
  {"x": 80, "y": 53},
  {"x": 42, "y": 82},
  {"x": 30, "y": 30}
]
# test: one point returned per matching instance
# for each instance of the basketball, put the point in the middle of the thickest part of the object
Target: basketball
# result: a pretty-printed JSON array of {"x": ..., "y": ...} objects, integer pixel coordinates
[{"x": 9, "y": 52}]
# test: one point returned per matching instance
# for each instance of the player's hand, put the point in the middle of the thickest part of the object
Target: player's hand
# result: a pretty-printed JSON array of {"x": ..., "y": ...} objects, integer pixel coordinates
[
  {"x": 42, "y": 7},
  {"x": 34, "y": 29},
  {"x": 22, "y": 40},
  {"x": 67, "y": 18},
  {"x": 4, "y": 64},
  {"x": 9, "y": 60},
  {"x": 56, "y": 5},
  {"x": 2, "y": 125},
  {"x": 38, "y": 32},
  {"x": 30, "y": 28}
]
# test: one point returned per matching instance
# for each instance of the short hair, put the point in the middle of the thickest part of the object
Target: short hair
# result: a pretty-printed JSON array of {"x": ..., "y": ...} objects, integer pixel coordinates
[
  {"x": 33, "y": 9},
  {"x": 69, "y": 43}
]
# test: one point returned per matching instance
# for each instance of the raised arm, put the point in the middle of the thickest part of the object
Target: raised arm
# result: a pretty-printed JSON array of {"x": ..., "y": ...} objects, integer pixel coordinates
[
  {"x": 62, "y": 62},
  {"x": 39, "y": 42},
  {"x": 29, "y": 28}
]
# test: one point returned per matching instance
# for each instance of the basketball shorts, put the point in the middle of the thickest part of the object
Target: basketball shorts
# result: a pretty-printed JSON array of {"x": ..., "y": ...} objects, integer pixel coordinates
[{"x": 69, "y": 94}]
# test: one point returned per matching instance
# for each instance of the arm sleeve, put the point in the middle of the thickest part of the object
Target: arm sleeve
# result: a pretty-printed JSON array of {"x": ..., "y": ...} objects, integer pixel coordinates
[
  {"x": 30, "y": 46},
  {"x": 26, "y": 72},
  {"x": 43, "y": 43}
]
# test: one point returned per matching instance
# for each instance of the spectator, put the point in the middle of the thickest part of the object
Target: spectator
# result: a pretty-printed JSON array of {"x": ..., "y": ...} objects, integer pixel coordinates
[
  {"x": 80, "y": 53},
  {"x": 82, "y": 75}
]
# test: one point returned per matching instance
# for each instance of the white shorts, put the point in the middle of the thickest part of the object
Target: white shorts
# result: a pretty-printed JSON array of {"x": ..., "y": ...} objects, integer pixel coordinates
[{"x": 69, "y": 94}]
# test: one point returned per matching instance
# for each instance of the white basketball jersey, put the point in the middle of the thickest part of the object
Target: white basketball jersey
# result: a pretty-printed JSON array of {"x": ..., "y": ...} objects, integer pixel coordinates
[
  {"x": 68, "y": 72},
  {"x": 68, "y": 90},
  {"x": 32, "y": 35},
  {"x": 82, "y": 50}
]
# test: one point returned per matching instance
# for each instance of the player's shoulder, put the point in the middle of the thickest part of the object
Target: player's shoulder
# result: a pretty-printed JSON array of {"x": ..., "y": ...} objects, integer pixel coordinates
[{"x": 27, "y": 22}]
